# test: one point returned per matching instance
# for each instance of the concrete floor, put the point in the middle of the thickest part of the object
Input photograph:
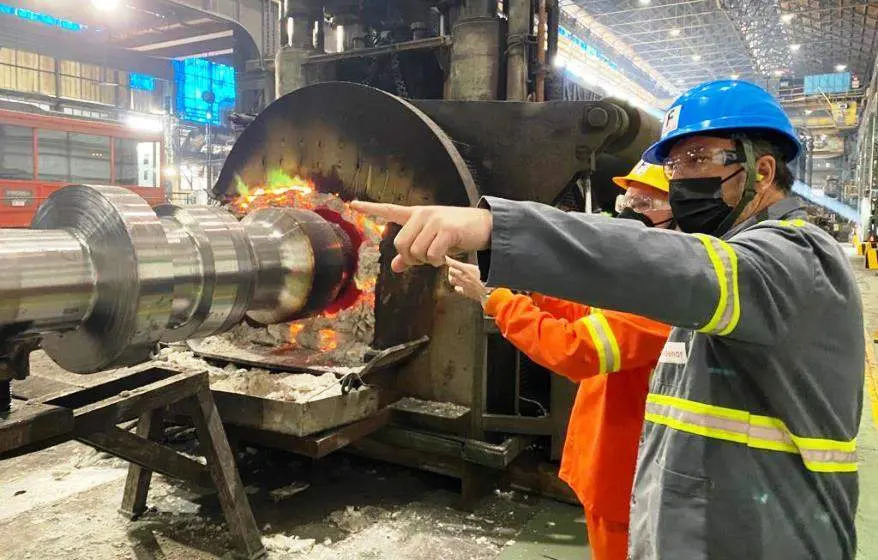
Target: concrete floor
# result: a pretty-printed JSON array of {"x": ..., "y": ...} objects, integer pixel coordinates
[
  {"x": 867, "y": 440},
  {"x": 61, "y": 504}
]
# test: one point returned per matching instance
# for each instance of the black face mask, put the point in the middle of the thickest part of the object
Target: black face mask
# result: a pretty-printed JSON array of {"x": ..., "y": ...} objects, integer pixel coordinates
[
  {"x": 697, "y": 204},
  {"x": 631, "y": 214}
]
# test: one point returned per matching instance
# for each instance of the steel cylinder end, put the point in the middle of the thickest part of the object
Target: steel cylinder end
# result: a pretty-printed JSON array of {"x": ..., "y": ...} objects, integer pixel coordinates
[
  {"x": 127, "y": 248},
  {"x": 303, "y": 262}
]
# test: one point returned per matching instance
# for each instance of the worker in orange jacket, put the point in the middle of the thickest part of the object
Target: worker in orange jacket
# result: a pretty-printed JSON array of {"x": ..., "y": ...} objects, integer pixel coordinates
[{"x": 610, "y": 354}]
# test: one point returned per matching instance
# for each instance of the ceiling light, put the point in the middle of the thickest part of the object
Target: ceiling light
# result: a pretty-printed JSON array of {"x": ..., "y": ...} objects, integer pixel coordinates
[
  {"x": 841, "y": 67},
  {"x": 735, "y": 76},
  {"x": 795, "y": 47},
  {"x": 696, "y": 57},
  {"x": 169, "y": 171},
  {"x": 786, "y": 18},
  {"x": 808, "y": 111},
  {"x": 675, "y": 32},
  {"x": 645, "y": 2},
  {"x": 105, "y": 5},
  {"x": 679, "y": 81}
]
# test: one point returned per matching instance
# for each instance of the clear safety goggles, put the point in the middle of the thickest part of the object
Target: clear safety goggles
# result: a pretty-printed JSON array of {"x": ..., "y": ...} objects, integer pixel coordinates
[
  {"x": 696, "y": 162},
  {"x": 640, "y": 203}
]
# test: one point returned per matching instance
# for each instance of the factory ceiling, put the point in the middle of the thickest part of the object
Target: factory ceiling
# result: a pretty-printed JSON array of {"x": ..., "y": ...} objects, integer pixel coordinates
[
  {"x": 685, "y": 42},
  {"x": 162, "y": 29}
]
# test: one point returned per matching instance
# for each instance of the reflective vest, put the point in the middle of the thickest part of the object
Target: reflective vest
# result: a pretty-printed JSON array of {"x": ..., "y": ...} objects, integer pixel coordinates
[
  {"x": 610, "y": 355},
  {"x": 748, "y": 450}
]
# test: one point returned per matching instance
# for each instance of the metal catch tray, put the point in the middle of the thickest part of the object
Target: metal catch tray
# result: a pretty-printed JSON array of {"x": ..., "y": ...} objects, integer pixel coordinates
[
  {"x": 295, "y": 418},
  {"x": 303, "y": 418}
]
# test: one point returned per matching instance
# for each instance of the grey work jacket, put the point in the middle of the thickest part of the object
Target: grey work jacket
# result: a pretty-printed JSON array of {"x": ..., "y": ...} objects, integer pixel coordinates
[{"x": 748, "y": 446}]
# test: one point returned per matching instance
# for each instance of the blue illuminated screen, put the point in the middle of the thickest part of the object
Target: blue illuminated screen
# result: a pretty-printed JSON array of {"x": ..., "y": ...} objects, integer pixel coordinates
[
  {"x": 38, "y": 17},
  {"x": 194, "y": 77},
  {"x": 143, "y": 82},
  {"x": 839, "y": 82}
]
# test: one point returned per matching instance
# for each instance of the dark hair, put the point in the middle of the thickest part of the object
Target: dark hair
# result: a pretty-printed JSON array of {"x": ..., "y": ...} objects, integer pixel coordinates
[{"x": 765, "y": 146}]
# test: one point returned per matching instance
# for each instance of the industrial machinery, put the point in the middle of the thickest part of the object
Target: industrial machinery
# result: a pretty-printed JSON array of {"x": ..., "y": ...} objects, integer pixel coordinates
[
  {"x": 101, "y": 278},
  {"x": 363, "y": 143}
]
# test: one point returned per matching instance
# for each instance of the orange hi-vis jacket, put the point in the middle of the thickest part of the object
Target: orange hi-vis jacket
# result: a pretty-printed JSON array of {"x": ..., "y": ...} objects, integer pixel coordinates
[{"x": 611, "y": 355}]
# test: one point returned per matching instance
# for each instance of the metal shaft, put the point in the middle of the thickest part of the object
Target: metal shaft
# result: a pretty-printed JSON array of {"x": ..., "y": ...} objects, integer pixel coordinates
[
  {"x": 46, "y": 279},
  {"x": 103, "y": 277}
]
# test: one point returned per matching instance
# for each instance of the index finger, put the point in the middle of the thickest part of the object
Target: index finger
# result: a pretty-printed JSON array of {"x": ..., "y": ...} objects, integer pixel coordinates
[
  {"x": 390, "y": 212},
  {"x": 453, "y": 263}
]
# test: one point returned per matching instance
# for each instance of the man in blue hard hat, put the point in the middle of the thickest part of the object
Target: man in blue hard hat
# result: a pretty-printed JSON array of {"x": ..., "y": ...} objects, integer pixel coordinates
[{"x": 748, "y": 449}]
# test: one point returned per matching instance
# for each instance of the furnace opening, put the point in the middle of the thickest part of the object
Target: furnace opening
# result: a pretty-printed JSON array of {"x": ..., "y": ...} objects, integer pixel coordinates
[{"x": 342, "y": 333}]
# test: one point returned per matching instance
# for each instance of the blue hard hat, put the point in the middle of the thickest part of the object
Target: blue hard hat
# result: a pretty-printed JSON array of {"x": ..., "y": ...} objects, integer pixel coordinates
[{"x": 725, "y": 105}]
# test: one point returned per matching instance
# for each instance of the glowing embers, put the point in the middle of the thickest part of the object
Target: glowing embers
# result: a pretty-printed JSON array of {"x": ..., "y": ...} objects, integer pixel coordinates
[
  {"x": 327, "y": 339},
  {"x": 342, "y": 333}
]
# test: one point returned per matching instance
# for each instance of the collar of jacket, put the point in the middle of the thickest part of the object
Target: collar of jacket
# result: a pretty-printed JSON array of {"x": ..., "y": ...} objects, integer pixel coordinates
[{"x": 783, "y": 209}]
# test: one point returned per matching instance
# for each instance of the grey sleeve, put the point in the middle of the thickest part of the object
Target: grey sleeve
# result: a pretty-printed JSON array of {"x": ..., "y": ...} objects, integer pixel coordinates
[{"x": 749, "y": 288}]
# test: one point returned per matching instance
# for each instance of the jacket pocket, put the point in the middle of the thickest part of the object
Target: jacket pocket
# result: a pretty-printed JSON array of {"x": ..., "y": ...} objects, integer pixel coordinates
[{"x": 680, "y": 529}]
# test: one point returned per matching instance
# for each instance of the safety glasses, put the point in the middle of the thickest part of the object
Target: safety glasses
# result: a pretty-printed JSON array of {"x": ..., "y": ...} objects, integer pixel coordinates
[
  {"x": 696, "y": 162},
  {"x": 640, "y": 203}
]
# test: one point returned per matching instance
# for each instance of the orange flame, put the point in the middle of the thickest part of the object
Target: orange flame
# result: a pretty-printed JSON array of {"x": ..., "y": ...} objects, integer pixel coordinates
[
  {"x": 295, "y": 329},
  {"x": 283, "y": 190},
  {"x": 327, "y": 339}
]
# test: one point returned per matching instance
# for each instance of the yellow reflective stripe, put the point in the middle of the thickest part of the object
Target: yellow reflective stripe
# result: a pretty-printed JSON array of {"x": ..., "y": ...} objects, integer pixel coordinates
[
  {"x": 725, "y": 265},
  {"x": 592, "y": 331},
  {"x": 698, "y": 408},
  {"x": 817, "y": 466},
  {"x": 721, "y": 280},
  {"x": 734, "y": 296},
  {"x": 755, "y": 431},
  {"x": 605, "y": 343},
  {"x": 691, "y": 428},
  {"x": 825, "y": 444},
  {"x": 798, "y": 222},
  {"x": 614, "y": 344}
]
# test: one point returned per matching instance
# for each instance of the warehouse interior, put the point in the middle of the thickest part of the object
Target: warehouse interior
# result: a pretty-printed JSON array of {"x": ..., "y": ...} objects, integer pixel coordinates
[{"x": 204, "y": 352}]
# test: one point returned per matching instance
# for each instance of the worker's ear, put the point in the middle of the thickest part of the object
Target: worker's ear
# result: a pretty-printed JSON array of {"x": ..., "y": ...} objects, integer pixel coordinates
[{"x": 765, "y": 170}]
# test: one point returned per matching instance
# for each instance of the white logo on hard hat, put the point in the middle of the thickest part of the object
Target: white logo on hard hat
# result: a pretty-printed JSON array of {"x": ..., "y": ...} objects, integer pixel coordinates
[
  {"x": 672, "y": 120},
  {"x": 641, "y": 168}
]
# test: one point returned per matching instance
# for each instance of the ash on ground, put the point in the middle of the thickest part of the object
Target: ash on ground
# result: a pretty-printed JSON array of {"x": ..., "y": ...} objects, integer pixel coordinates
[{"x": 291, "y": 387}]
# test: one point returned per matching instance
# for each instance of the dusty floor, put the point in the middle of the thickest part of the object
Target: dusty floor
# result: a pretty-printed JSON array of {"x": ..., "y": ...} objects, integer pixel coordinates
[{"x": 61, "y": 503}]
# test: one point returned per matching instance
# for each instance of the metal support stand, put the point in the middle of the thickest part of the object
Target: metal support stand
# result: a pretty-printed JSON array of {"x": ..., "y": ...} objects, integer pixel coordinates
[
  {"x": 90, "y": 415},
  {"x": 562, "y": 394}
]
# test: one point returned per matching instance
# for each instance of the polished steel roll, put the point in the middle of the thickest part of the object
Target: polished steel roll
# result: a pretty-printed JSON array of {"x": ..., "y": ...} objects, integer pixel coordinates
[
  {"x": 104, "y": 277},
  {"x": 217, "y": 299},
  {"x": 128, "y": 250},
  {"x": 302, "y": 263},
  {"x": 47, "y": 279}
]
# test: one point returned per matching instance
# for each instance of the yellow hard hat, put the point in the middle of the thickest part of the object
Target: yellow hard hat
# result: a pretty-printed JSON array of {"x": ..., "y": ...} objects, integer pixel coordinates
[{"x": 646, "y": 173}]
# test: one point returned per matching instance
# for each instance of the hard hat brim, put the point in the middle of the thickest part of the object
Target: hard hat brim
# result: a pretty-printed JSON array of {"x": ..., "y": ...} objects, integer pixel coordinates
[{"x": 659, "y": 151}]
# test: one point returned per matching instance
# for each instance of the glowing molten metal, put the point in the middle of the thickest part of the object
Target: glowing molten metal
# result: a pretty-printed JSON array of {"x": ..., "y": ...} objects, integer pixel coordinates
[{"x": 341, "y": 323}]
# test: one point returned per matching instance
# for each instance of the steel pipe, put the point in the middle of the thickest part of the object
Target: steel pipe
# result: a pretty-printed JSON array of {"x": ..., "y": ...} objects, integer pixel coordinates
[
  {"x": 104, "y": 278},
  {"x": 47, "y": 279}
]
